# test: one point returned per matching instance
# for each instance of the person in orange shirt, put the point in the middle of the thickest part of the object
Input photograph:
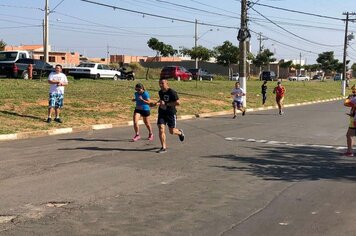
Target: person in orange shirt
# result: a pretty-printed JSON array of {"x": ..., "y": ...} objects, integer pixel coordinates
[{"x": 280, "y": 92}]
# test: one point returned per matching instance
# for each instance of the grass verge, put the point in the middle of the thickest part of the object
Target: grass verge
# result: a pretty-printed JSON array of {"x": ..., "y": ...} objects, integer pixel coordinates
[{"x": 23, "y": 103}]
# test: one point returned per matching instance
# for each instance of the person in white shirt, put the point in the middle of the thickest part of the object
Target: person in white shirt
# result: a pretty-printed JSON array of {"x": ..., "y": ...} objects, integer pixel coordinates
[
  {"x": 238, "y": 99},
  {"x": 57, "y": 80}
]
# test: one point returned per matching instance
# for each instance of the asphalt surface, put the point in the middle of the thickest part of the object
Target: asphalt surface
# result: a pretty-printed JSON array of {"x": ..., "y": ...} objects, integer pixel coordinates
[{"x": 261, "y": 174}]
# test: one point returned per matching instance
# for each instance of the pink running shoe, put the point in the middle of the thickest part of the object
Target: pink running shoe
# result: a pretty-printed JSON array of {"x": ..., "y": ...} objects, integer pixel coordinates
[
  {"x": 136, "y": 138},
  {"x": 348, "y": 154},
  {"x": 150, "y": 137}
]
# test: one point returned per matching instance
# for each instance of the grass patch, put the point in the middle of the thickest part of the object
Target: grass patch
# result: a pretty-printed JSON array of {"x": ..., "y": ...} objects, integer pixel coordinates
[{"x": 23, "y": 103}]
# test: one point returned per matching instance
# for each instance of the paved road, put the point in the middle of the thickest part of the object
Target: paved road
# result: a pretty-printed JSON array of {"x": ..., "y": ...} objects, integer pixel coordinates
[{"x": 262, "y": 174}]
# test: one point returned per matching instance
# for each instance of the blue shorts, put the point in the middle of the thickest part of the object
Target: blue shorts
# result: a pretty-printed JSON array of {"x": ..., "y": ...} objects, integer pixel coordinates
[
  {"x": 237, "y": 104},
  {"x": 55, "y": 100}
]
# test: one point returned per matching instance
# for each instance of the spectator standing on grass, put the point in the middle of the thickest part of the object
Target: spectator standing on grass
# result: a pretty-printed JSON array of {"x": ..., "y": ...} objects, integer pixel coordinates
[
  {"x": 264, "y": 92},
  {"x": 142, "y": 99},
  {"x": 238, "y": 98},
  {"x": 351, "y": 131},
  {"x": 280, "y": 92},
  {"x": 57, "y": 81},
  {"x": 168, "y": 100}
]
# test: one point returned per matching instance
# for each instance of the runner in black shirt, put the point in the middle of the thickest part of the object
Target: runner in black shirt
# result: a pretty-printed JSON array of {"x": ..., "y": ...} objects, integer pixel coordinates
[{"x": 167, "y": 113}]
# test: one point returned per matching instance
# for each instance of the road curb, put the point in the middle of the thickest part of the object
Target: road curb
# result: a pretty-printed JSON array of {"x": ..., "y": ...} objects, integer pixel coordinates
[{"x": 41, "y": 133}]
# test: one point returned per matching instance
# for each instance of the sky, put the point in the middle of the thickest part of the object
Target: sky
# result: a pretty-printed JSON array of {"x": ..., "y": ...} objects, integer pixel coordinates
[{"x": 125, "y": 26}]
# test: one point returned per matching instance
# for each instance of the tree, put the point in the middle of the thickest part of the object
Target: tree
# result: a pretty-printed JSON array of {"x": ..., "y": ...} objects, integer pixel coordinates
[
  {"x": 2, "y": 45},
  {"x": 226, "y": 55},
  {"x": 285, "y": 64},
  {"x": 201, "y": 53},
  {"x": 263, "y": 58},
  {"x": 161, "y": 49},
  {"x": 353, "y": 67},
  {"x": 327, "y": 62}
]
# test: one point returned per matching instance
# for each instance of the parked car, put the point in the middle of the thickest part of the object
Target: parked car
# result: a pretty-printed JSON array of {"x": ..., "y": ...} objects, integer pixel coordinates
[
  {"x": 39, "y": 68},
  {"x": 175, "y": 72},
  {"x": 268, "y": 76},
  {"x": 317, "y": 77},
  {"x": 201, "y": 74},
  {"x": 299, "y": 78},
  {"x": 94, "y": 71},
  {"x": 235, "y": 77},
  {"x": 337, "y": 77}
]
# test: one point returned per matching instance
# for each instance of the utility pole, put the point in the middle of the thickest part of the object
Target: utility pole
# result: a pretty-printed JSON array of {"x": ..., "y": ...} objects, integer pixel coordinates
[
  {"x": 344, "y": 84},
  {"x": 260, "y": 39},
  {"x": 196, "y": 41},
  {"x": 243, "y": 35},
  {"x": 107, "y": 54},
  {"x": 46, "y": 33},
  {"x": 300, "y": 64}
]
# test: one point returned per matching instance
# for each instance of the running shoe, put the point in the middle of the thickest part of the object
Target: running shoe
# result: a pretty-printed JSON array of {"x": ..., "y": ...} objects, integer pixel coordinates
[
  {"x": 234, "y": 117},
  {"x": 181, "y": 136},
  {"x": 58, "y": 120},
  {"x": 136, "y": 138},
  {"x": 348, "y": 154},
  {"x": 150, "y": 137},
  {"x": 244, "y": 112},
  {"x": 49, "y": 120},
  {"x": 162, "y": 150}
]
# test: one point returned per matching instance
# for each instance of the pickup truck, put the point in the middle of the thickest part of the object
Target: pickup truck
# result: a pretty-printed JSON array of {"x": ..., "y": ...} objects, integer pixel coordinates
[
  {"x": 40, "y": 68},
  {"x": 299, "y": 78},
  {"x": 7, "y": 62}
]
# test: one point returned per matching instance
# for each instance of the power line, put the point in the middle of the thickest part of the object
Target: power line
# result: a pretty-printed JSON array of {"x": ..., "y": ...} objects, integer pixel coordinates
[
  {"x": 300, "y": 12},
  {"x": 155, "y": 15},
  {"x": 16, "y": 6},
  {"x": 276, "y": 41},
  {"x": 193, "y": 8},
  {"x": 307, "y": 40},
  {"x": 214, "y": 7},
  {"x": 56, "y": 6}
]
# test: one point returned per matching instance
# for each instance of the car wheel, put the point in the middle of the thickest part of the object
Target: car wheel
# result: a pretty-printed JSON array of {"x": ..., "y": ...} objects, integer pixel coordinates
[
  {"x": 97, "y": 76},
  {"x": 211, "y": 79},
  {"x": 25, "y": 75},
  {"x": 116, "y": 77},
  {"x": 190, "y": 78},
  {"x": 178, "y": 78},
  {"x": 200, "y": 78}
]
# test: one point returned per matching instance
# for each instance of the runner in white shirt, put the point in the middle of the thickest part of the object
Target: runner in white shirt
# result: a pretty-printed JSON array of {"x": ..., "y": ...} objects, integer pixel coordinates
[
  {"x": 238, "y": 99},
  {"x": 57, "y": 80}
]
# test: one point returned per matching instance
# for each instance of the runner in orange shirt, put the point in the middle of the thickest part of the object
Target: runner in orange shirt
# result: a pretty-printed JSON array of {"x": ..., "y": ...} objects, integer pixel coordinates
[{"x": 279, "y": 91}]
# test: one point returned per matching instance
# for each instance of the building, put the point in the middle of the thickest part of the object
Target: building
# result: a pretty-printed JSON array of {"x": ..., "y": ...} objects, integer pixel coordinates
[{"x": 66, "y": 59}]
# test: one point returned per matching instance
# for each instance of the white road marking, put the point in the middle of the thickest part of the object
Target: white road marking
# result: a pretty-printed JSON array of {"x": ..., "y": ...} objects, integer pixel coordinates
[{"x": 272, "y": 142}]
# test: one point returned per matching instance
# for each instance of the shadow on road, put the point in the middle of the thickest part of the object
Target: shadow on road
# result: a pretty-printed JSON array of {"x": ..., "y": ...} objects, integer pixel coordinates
[
  {"x": 293, "y": 164},
  {"x": 112, "y": 149},
  {"x": 94, "y": 140}
]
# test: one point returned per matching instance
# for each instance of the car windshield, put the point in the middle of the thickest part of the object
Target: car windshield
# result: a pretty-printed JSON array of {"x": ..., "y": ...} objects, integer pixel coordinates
[
  {"x": 88, "y": 65},
  {"x": 8, "y": 56}
]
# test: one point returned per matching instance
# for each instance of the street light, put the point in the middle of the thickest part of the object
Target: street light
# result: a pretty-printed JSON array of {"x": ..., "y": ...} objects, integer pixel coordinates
[{"x": 196, "y": 38}]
